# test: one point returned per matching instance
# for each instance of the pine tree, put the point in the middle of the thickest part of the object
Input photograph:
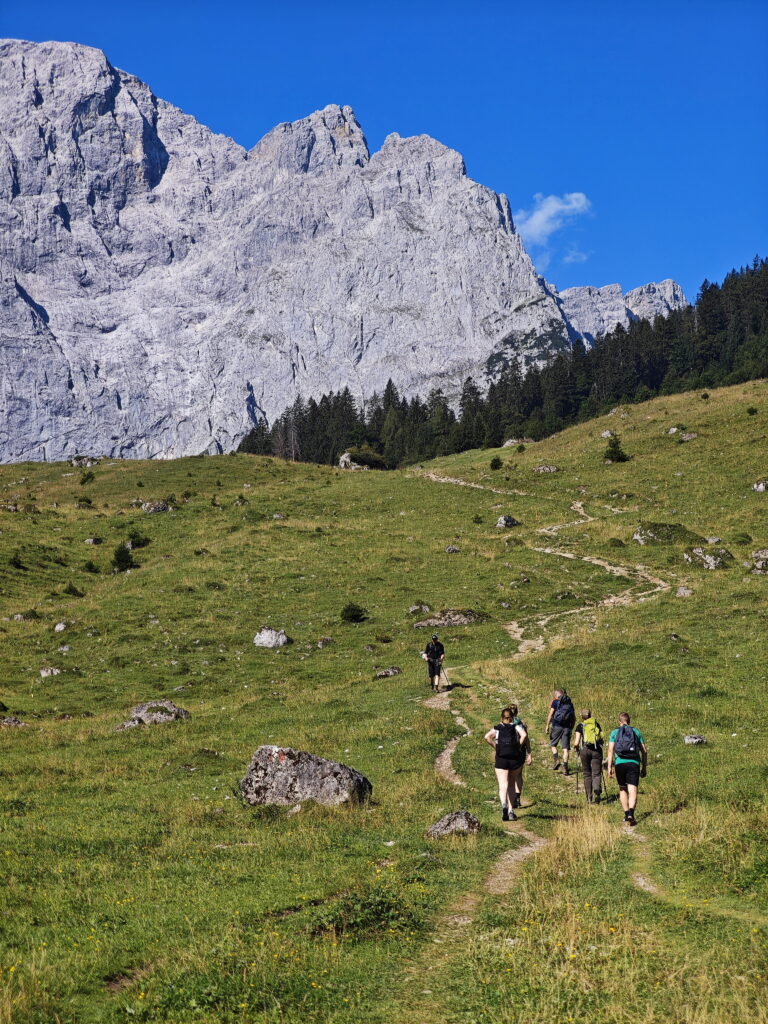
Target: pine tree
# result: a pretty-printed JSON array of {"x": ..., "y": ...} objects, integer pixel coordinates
[{"x": 614, "y": 452}]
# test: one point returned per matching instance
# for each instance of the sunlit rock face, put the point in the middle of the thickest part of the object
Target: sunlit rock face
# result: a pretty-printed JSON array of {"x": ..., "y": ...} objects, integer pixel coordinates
[
  {"x": 162, "y": 288},
  {"x": 595, "y": 311}
]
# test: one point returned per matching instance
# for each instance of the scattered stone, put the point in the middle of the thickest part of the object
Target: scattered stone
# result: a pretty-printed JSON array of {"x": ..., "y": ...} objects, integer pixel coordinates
[
  {"x": 506, "y": 522},
  {"x": 84, "y": 461},
  {"x": 278, "y": 515},
  {"x": 282, "y": 775},
  {"x": 457, "y": 823},
  {"x": 450, "y": 617},
  {"x": 760, "y": 567},
  {"x": 369, "y": 647},
  {"x": 92, "y": 540},
  {"x": 694, "y": 741},
  {"x": 545, "y": 469},
  {"x": 46, "y": 672},
  {"x": 760, "y": 554},
  {"x": 760, "y": 485},
  {"x": 672, "y": 430},
  {"x": 267, "y": 637},
  {"x": 59, "y": 627},
  {"x": 416, "y": 608},
  {"x": 346, "y": 462},
  {"x": 714, "y": 540},
  {"x": 505, "y": 604},
  {"x": 18, "y": 617},
  {"x": 665, "y": 533},
  {"x": 684, "y": 592},
  {"x": 689, "y": 435},
  {"x": 452, "y": 550},
  {"x": 11, "y": 722},
  {"x": 324, "y": 641},
  {"x": 387, "y": 673},
  {"x": 153, "y": 507},
  {"x": 9, "y": 507},
  {"x": 606, "y": 433},
  {"x": 155, "y": 712},
  {"x": 716, "y": 558},
  {"x": 513, "y": 442}
]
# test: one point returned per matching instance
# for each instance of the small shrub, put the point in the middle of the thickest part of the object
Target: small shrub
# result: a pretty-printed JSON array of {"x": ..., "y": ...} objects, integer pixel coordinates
[
  {"x": 215, "y": 585},
  {"x": 381, "y": 909},
  {"x": 139, "y": 483},
  {"x": 741, "y": 538},
  {"x": 614, "y": 452},
  {"x": 382, "y": 638},
  {"x": 87, "y": 478},
  {"x": 71, "y": 591},
  {"x": 219, "y": 483},
  {"x": 186, "y": 495},
  {"x": 122, "y": 560},
  {"x": 751, "y": 411},
  {"x": 15, "y": 562},
  {"x": 364, "y": 455},
  {"x": 138, "y": 540},
  {"x": 521, "y": 448},
  {"x": 477, "y": 519},
  {"x": 90, "y": 566},
  {"x": 352, "y": 612},
  {"x": 616, "y": 542},
  {"x": 496, "y": 462},
  {"x": 84, "y": 502},
  {"x": 705, "y": 395}
]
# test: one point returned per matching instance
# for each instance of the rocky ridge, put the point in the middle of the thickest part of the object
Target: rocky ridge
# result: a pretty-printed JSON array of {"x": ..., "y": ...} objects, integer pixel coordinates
[
  {"x": 595, "y": 311},
  {"x": 162, "y": 288}
]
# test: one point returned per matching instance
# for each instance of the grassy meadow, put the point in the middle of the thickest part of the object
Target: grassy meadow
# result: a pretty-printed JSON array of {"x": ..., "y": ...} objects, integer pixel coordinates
[{"x": 136, "y": 886}]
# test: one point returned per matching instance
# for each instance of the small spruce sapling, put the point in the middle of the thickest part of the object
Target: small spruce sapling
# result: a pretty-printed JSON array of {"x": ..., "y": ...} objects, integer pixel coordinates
[
  {"x": 614, "y": 452},
  {"x": 122, "y": 560}
]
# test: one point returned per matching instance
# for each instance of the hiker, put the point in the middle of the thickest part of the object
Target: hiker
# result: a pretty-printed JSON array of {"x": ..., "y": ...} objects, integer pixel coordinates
[
  {"x": 509, "y": 739},
  {"x": 434, "y": 653},
  {"x": 588, "y": 744},
  {"x": 628, "y": 757},
  {"x": 561, "y": 719}
]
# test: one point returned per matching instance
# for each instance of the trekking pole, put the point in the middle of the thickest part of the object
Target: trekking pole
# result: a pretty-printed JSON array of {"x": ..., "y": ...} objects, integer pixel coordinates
[{"x": 447, "y": 680}]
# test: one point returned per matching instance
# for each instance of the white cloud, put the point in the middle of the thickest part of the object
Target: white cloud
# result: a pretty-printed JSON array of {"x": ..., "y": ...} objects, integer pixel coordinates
[
  {"x": 575, "y": 256},
  {"x": 549, "y": 214}
]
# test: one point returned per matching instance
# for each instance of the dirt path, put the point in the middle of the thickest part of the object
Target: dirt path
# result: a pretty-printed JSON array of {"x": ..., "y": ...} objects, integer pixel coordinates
[
  {"x": 444, "y": 760},
  {"x": 457, "y": 482}
]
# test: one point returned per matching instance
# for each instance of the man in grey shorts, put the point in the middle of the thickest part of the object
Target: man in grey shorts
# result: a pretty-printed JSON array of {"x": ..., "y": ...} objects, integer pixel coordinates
[{"x": 560, "y": 721}]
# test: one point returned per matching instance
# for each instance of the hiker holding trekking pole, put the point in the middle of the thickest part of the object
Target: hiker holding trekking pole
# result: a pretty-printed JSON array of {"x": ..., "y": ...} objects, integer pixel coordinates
[
  {"x": 509, "y": 739},
  {"x": 561, "y": 719},
  {"x": 588, "y": 744},
  {"x": 434, "y": 655},
  {"x": 628, "y": 758}
]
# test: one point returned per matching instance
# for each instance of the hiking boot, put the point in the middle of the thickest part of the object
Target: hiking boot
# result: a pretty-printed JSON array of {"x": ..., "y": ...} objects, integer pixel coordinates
[
  {"x": 505, "y": 814},
  {"x": 631, "y": 820},
  {"x": 566, "y": 770},
  {"x": 516, "y": 801},
  {"x": 556, "y": 766}
]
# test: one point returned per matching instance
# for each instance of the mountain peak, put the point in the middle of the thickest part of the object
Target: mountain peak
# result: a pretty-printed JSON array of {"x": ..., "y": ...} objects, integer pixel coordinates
[{"x": 327, "y": 139}]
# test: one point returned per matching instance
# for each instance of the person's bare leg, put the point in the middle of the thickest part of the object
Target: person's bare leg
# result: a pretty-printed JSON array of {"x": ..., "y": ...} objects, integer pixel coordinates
[
  {"x": 631, "y": 798},
  {"x": 502, "y": 776},
  {"x": 515, "y": 786},
  {"x": 624, "y": 797}
]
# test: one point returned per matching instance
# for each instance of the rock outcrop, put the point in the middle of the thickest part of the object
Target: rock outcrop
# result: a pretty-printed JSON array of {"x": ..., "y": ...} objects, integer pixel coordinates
[
  {"x": 591, "y": 312},
  {"x": 163, "y": 289},
  {"x": 155, "y": 712},
  {"x": 282, "y": 775},
  {"x": 457, "y": 823},
  {"x": 709, "y": 558},
  {"x": 268, "y": 637}
]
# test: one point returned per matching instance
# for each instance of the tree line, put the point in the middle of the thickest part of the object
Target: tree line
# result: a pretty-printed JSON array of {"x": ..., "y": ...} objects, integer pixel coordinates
[{"x": 722, "y": 339}]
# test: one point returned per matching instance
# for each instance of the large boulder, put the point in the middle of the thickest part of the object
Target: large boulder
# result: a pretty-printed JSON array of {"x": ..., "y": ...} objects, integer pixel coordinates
[
  {"x": 347, "y": 462},
  {"x": 282, "y": 775},
  {"x": 694, "y": 740},
  {"x": 709, "y": 558},
  {"x": 760, "y": 485},
  {"x": 506, "y": 522},
  {"x": 11, "y": 722},
  {"x": 155, "y": 712},
  {"x": 267, "y": 637},
  {"x": 153, "y": 507},
  {"x": 457, "y": 823},
  {"x": 545, "y": 469}
]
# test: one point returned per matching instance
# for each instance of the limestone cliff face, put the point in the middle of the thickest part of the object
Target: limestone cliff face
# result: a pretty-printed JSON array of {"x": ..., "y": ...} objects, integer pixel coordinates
[
  {"x": 595, "y": 311},
  {"x": 161, "y": 287}
]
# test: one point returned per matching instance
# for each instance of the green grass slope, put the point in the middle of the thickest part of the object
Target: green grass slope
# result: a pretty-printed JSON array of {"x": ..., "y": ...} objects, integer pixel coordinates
[{"x": 138, "y": 887}]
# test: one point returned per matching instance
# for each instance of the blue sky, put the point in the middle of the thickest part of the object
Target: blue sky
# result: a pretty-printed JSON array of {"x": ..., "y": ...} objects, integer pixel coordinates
[{"x": 631, "y": 138}]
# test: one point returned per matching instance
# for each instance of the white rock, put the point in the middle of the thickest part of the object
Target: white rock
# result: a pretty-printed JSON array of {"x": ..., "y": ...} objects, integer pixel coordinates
[
  {"x": 46, "y": 672},
  {"x": 271, "y": 638},
  {"x": 346, "y": 462},
  {"x": 595, "y": 311},
  {"x": 59, "y": 627}
]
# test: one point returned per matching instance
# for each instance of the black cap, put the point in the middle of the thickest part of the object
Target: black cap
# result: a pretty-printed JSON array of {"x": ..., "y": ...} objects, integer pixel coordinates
[{"x": 434, "y": 636}]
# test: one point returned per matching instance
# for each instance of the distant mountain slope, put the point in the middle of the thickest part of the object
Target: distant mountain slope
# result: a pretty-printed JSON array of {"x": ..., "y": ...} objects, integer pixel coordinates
[
  {"x": 163, "y": 288},
  {"x": 595, "y": 311}
]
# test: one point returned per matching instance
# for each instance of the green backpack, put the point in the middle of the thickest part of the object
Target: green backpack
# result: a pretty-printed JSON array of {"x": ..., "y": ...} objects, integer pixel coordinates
[{"x": 593, "y": 732}]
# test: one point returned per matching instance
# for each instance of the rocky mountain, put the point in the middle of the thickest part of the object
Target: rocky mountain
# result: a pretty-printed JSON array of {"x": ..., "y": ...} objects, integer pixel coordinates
[
  {"x": 162, "y": 288},
  {"x": 595, "y": 311}
]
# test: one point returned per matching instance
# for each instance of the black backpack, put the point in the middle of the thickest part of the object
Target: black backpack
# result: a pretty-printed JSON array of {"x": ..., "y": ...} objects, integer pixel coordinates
[
  {"x": 565, "y": 714},
  {"x": 508, "y": 740},
  {"x": 627, "y": 744}
]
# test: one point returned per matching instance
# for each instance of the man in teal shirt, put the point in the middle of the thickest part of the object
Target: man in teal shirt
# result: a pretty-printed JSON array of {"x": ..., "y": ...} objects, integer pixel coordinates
[{"x": 628, "y": 760}]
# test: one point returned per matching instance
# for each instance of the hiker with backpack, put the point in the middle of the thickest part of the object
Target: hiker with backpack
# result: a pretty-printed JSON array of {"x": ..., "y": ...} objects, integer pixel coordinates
[
  {"x": 510, "y": 741},
  {"x": 434, "y": 655},
  {"x": 560, "y": 721},
  {"x": 628, "y": 759},
  {"x": 588, "y": 744}
]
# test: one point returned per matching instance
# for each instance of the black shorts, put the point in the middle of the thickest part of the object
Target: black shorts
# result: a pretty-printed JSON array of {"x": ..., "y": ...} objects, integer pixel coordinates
[
  {"x": 627, "y": 774},
  {"x": 433, "y": 667},
  {"x": 509, "y": 764}
]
